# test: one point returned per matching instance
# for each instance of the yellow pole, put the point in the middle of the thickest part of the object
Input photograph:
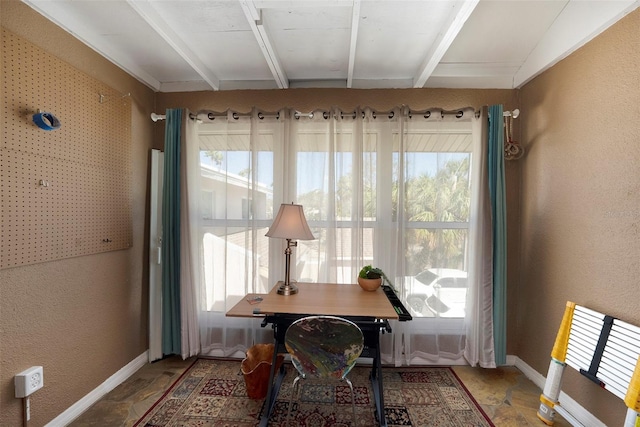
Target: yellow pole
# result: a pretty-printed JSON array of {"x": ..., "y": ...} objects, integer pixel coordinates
[
  {"x": 632, "y": 399},
  {"x": 549, "y": 396}
]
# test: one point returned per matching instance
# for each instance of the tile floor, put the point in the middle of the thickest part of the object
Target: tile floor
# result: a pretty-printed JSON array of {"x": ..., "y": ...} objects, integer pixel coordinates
[{"x": 505, "y": 394}]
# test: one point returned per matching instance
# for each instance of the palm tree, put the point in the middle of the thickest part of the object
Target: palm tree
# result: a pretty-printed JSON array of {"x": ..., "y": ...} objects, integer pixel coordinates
[
  {"x": 443, "y": 197},
  {"x": 440, "y": 198},
  {"x": 215, "y": 156}
]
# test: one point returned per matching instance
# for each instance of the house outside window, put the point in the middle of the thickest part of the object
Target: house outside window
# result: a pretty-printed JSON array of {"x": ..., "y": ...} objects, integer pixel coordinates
[
  {"x": 247, "y": 209},
  {"x": 208, "y": 204}
]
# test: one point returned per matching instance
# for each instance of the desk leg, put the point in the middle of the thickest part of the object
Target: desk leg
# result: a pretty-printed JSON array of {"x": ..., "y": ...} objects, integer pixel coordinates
[
  {"x": 376, "y": 386},
  {"x": 274, "y": 388}
]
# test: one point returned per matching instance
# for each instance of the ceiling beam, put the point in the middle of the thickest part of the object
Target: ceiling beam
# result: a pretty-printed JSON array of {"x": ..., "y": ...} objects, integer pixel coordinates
[
  {"x": 87, "y": 34},
  {"x": 459, "y": 15},
  {"x": 145, "y": 9},
  {"x": 355, "y": 21},
  {"x": 578, "y": 23},
  {"x": 254, "y": 17}
]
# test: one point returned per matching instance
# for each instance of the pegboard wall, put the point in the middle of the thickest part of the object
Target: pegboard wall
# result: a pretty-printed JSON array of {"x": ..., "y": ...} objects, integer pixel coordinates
[{"x": 65, "y": 192}]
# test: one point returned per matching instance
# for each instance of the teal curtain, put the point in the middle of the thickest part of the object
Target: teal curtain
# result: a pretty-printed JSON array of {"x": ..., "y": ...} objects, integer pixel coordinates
[
  {"x": 499, "y": 223},
  {"x": 171, "y": 234}
]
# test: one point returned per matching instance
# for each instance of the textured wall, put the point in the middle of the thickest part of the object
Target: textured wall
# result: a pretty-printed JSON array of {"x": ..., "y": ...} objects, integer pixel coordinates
[
  {"x": 308, "y": 99},
  {"x": 81, "y": 318},
  {"x": 581, "y": 199}
]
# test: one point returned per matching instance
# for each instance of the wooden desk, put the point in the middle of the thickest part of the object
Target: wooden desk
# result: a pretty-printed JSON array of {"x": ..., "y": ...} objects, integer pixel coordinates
[
  {"x": 244, "y": 308},
  {"x": 369, "y": 310},
  {"x": 319, "y": 298}
]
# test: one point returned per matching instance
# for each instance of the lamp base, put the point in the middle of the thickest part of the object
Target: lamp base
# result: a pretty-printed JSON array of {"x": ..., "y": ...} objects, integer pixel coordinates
[{"x": 289, "y": 289}]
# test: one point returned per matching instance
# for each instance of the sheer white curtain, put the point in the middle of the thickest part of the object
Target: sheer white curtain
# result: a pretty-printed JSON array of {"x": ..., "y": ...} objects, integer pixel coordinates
[
  {"x": 432, "y": 154},
  {"x": 479, "y": 349},
  {"x": 391, "y": 189},
  {"x": 189, "y": 240},
  {"x": 236, "y": 174}
]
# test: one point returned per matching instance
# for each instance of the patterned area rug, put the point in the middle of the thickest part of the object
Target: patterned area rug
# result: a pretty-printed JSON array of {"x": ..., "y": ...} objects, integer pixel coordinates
[{"x": 212, "y": 393}]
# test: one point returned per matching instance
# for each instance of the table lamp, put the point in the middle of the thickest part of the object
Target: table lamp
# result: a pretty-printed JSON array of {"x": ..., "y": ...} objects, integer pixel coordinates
[{"x": 289, "y": 224}]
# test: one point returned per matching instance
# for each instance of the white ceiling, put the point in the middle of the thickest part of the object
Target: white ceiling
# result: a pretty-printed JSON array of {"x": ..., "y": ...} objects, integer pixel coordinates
[{"x": 188, "y": 45}]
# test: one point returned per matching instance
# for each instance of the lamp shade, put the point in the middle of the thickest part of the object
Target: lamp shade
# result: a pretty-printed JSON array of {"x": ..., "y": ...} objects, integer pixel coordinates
[{"x": 290, "y": 223}]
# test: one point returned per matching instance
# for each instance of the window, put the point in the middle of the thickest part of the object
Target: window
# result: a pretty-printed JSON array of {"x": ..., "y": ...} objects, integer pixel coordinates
[
  {"x": 436, "y": 189},
  {"x": 398, "y": 199},
  {"x": 389, "y": 190},
  {"x": 238, "y": 175}
]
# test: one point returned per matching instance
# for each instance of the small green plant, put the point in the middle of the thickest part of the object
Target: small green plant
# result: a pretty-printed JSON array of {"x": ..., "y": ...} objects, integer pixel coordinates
[{"x": 369, "y": 272}]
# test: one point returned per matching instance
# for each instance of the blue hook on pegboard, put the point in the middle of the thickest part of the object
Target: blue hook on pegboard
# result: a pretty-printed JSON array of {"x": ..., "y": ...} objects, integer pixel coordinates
[{"x": 46, "y": 121}]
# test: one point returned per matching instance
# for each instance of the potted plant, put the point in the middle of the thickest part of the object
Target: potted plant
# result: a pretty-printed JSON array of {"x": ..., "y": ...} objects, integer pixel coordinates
[{"x": 370, "y": 278}]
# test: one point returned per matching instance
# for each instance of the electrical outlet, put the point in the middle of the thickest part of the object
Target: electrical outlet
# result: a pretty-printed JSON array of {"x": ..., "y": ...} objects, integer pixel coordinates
[{"x": 28, "y": 381}]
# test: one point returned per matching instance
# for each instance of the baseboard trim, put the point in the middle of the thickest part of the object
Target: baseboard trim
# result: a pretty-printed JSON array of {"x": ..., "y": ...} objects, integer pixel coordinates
[
  {"x": 568, "y": 408},
  {"x": 96, "y": 394}
]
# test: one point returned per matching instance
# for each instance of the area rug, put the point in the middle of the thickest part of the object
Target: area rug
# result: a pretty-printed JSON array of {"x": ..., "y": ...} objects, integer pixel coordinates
[{"x": 212, "y": 392}]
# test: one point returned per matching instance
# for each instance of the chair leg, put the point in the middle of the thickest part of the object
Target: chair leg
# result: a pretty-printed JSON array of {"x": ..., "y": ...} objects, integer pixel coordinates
[
  {"x": 294, "y": 391},
  {"x": 353, "y": 400}
]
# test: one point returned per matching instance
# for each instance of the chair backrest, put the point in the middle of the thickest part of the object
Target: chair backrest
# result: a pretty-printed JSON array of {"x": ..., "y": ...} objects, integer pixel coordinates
[{"x": 324, "y": 346}]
